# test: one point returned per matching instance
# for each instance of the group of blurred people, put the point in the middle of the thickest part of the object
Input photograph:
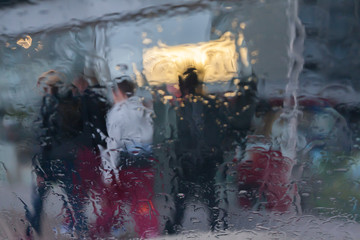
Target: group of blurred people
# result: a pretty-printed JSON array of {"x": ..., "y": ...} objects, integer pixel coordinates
[
  {"x": 116, "y": 153},
  {"x": 93, "y": 149},
  {"x": 70, "y": 125}
]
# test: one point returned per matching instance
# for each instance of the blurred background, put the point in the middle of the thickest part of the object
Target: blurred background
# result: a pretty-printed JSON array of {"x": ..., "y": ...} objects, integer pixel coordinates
[{"x": 294, "y": 63}]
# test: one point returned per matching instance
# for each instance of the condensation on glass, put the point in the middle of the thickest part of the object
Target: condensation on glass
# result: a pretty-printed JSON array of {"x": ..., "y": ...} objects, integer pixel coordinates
[{"x": 198, "y": 119}]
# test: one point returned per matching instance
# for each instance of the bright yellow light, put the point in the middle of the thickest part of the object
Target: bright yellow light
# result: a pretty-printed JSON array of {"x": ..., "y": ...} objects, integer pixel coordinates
[
  {"x": 161, "y": 92},
  {"x": 214, "y": 60},
  {"x": 39, "y": 47},
  {"x": 242, "y": 25},
  {"x": 240, "y": 39},
  {"x": 230, "y": 94},
  {"x": 146, "y": 41},
  {"x": 255, "y": 53},
  {"x": 168, "y": 97},
  {"x": 25, "y": 43}
]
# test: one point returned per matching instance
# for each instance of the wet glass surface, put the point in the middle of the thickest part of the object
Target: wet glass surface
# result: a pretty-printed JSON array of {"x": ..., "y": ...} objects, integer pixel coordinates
[{"x": 179, "y": 119}]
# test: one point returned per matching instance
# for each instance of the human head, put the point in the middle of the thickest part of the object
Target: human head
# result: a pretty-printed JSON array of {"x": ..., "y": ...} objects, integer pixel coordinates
[
  {"x": 190, "y": 83},
  {"x": 123, "y": 89},
  {"x": 50, "y": 81},
  {"x": 81, "y": 84}
]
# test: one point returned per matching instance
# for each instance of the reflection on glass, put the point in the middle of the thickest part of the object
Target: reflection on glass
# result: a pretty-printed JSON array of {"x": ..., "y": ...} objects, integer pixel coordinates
[
  {"x": 25, "y": 42},
  {"x": 193, "y": 119},
  {"x": 215, "y": 60}
]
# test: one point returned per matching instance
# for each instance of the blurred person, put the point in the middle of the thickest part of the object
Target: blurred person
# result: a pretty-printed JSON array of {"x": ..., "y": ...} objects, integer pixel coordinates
[
  {"x": 264, "y": 178},
  {"x": 201, "y": 127},
  {"x": 239, "y": 109},
  {"x": 91, "y": 76},
  {"x": 329, "y": 145},
  {"x": 241, "y": 106},
  {"x": 264, "y": 172},
  {"x": 87, "y": 165},
  {"x": 267, "y": 177},
  {"x": 60, "y": 123},
  {"x": 93, "y": 109},
  {"x": 128, "y": 165},
  {"x": 165, "y": 141}
]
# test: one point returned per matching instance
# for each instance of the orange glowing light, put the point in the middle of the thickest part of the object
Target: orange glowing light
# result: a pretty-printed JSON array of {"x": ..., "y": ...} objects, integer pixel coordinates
[{"x": 25, "y": 42}]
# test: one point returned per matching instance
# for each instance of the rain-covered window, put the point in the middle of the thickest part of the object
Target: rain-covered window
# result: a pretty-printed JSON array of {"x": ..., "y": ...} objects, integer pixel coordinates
[{"x": 179, "y": 119}]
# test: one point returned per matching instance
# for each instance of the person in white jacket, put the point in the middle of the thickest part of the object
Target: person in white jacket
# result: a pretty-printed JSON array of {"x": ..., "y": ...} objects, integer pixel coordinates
[
  {"x": 128, "y": 165},
  {"x": 129, "y": 124}
]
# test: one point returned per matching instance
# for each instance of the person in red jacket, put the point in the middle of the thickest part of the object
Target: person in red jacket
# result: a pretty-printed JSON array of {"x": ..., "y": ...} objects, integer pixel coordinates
[{"x": 264, "y": 180}]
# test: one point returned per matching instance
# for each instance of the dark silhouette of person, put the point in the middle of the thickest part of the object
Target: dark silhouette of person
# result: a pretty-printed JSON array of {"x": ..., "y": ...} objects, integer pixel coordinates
[
  {"x": 93, "y": 109},
  {"x": 87, "y": 165},
  {"x": 201, "y": 128},
  {"x": 60, "y": 124}
]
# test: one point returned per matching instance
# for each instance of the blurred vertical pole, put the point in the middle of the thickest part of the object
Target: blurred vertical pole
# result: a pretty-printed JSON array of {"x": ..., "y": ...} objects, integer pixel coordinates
[{"x": 295, "y": 50}]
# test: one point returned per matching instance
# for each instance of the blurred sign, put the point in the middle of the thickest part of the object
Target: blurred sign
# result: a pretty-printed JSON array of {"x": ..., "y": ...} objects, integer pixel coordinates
[{"x": 214, "y": 60}]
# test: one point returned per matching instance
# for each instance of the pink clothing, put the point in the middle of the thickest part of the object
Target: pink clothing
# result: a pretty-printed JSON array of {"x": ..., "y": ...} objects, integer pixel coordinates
[
  {"x": 134, "y": 189},
  {"x": 87, "y": 167},
  {"x": 268, "y": 172}
]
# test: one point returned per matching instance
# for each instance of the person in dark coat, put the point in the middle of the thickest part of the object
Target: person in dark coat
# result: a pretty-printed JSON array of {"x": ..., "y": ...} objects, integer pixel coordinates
[
  {"x": 60, "y": 123},
  {"x": 93, "y": 109},
  {"x": 201, "y": 128}
]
